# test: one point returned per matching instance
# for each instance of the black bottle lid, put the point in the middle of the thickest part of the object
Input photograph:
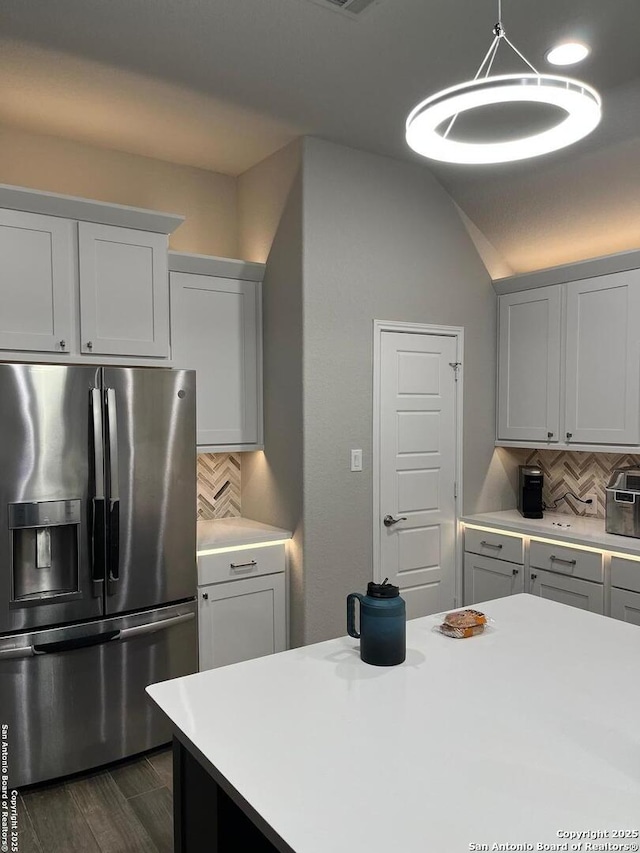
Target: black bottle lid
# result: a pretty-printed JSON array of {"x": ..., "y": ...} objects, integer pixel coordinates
[{"x": 383, "y": 590}]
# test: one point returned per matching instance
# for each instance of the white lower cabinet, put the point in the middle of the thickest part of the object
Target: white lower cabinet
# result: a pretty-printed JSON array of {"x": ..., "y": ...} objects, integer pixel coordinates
[
  {"x": 550, "y": 569},
  {"x": 625, "y": 590},
  {"x": 242, "y": 618},
  {"x": 575, "y": 592},
  {"x": 625, "y": 605},
  {"x": 486, "y": 578}
]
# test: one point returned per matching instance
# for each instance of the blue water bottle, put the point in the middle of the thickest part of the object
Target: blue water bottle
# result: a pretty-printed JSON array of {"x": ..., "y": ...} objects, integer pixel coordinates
[{"x": 383, "y": 624}]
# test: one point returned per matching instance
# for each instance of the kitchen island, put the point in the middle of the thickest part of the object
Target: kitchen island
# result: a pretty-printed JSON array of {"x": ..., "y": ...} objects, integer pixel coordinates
[{"x": 521, "y": 735}]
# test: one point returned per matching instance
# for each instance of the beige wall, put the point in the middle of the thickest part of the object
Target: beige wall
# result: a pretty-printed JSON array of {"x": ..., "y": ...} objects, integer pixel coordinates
[
  {"x": 207, "y": 199},
  {"x": 262, "y": 195}
]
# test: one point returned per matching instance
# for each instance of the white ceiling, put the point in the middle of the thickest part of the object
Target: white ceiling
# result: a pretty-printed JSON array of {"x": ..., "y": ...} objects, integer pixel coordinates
[{"x": 221, "y": 84}]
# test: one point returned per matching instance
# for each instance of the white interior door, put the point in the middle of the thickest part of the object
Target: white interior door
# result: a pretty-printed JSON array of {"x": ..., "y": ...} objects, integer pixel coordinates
[{"x": 417, "y": 465}]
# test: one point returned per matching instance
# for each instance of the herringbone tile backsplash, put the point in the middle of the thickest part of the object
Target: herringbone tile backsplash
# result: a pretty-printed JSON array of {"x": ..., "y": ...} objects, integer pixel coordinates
[
  {"x": 218, "y": 485},
  {"x": 582, "y": 473}
]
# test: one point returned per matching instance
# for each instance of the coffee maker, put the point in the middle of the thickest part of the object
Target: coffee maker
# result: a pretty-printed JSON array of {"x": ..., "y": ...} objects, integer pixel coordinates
[{"x": 530, "y": 491}]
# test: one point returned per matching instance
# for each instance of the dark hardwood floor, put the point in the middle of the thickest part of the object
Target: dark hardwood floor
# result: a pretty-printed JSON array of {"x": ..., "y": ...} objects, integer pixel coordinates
[{"x": 124, "y": 808}]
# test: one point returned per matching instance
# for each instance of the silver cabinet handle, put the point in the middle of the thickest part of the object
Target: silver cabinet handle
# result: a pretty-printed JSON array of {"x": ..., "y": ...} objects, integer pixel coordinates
[
  {"x": 491, "y": 545},
  {"x": 249, "y": 565},
  {"x": 389, "y": 520},
  {"x": 549, "y": 435},
  {"x": 63, "y": 344},
  {"x": 205, "y": 595},
  {"x": 514, "y": 572},
  {"x": 89, "y": 345},
  {"x": 569, "y": 436},
  {"x": 555, "y": 559},
  {"x": 533, "y": 576}
]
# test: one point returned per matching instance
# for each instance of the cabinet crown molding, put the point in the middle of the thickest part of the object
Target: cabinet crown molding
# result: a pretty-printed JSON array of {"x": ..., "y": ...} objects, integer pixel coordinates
[
  {"x": 218, "y": 267},
  {"x": 87, "y": 210},
  {"x": 590, "y": 268}
]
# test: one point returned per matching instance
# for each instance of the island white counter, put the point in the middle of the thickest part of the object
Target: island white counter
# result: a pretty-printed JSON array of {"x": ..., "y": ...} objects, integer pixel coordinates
[{"x": 514, "y": 736}]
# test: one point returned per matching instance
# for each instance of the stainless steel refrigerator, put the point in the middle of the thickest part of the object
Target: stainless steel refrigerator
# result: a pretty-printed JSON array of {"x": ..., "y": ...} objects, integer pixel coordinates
[{"x": 97, "y": 560}]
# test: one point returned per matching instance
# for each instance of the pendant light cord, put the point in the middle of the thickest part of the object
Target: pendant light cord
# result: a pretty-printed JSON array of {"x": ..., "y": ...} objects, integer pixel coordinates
[{"x": 500, "y": 35}]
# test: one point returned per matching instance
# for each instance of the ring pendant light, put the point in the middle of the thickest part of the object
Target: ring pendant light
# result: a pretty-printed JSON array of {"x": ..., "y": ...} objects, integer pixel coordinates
[{"x": 581, "y": 103}]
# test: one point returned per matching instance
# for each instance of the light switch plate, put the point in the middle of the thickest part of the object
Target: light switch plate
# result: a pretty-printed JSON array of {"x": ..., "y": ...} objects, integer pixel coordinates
[{"x": 356, "y": 460}]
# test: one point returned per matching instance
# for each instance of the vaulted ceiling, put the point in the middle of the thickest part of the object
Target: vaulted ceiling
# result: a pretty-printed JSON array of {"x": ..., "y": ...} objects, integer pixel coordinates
[{"x": 220, "y": 84}]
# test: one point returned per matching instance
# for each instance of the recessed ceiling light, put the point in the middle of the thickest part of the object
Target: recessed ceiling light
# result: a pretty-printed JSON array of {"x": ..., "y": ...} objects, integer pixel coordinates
[{"x": 568, "y": 53}]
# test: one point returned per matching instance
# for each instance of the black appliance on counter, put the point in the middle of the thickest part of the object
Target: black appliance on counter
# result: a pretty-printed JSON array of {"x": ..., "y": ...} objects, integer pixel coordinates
[{"x": 530, "y": 491}]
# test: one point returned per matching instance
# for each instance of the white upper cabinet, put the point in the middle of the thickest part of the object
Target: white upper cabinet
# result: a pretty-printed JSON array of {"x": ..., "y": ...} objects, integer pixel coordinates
[
  {"x": 82, "y": 279},
  {"x": 124, "y": 291},
  {"x": 529, "y": 365},
  {"x": 603, "y": 360},
  {"x": 37, "y": 278},
  {"x": 215, "y": 329},
  {"x": 587, "y": 355}
]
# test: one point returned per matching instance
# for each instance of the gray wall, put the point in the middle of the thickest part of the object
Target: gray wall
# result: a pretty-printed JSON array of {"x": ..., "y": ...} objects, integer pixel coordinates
[
  {"x": 382, "y": 240},
  {"x": 272, "y": 481},
  {"x": 362, "y": 237}
]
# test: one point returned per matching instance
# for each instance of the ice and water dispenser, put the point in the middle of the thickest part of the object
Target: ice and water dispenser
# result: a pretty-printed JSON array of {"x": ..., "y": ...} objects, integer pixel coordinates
[{"x": 45, "y": 543}]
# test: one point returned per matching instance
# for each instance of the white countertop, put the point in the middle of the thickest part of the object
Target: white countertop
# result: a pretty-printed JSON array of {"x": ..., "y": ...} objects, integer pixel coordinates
[
  {"x": 231, "y": 532},
  {"x": 582, "y": 531},
  {"x": 510, "y": 736}
]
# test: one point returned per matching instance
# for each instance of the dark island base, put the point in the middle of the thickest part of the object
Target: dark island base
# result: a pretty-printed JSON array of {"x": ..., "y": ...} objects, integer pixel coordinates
[{"x": 208, "y": 819}]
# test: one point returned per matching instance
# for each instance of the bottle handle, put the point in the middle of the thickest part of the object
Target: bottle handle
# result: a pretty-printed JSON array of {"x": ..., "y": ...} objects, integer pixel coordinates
[{"x": 351, "y": 614}]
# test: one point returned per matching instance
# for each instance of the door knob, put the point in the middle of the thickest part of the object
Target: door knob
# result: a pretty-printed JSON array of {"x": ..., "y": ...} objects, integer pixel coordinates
[{"x": 389, "y": 520}]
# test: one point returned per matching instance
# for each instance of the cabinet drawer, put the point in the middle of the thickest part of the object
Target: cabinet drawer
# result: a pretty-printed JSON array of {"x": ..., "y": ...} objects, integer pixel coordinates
[
  {"x": 625, "y": 606},
  {"x": 233, "y": 565},
  {"x": 625, "y": 573},
  {"x": 566, "y": 561},
  {"x": 565, "y": 590},
  {"x": 493, "y": 544}
]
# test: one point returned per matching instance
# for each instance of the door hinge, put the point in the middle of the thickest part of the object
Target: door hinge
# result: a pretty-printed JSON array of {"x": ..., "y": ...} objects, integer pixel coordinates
[{"x": 456, "y": 365}]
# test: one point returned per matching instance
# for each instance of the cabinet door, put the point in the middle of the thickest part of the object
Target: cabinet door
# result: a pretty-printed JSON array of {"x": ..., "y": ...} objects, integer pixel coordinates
[
  {"x": 529, "y": 365},
  {"x": 485, "y": 578},
  {"x": 240, "y": 620},
  {"x": 572, "y": 591},
  {"x": 124, "y": 291},
  {"x": 37, "y": 278},
  {"x": 214, "y": 330},
  {"x": 625, "y": 605},
  {"x": 603, "y": 360}
]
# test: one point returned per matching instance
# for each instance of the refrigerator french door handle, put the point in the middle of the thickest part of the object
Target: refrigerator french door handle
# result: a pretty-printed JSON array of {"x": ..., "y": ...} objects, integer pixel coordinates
[
  {"x": 114, "y": 494},
  {"x": 153, "y": 627},
  {"x": 97, "y": 503}
]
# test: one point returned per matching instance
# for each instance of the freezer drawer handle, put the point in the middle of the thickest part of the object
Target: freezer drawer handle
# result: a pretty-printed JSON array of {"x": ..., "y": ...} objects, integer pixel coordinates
[
  {"x": 76, "y": 643},
  {"x": 22, "y": 652},
  {"x": 95, "y": 639},
  {"x": 152, "y": 627}
]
